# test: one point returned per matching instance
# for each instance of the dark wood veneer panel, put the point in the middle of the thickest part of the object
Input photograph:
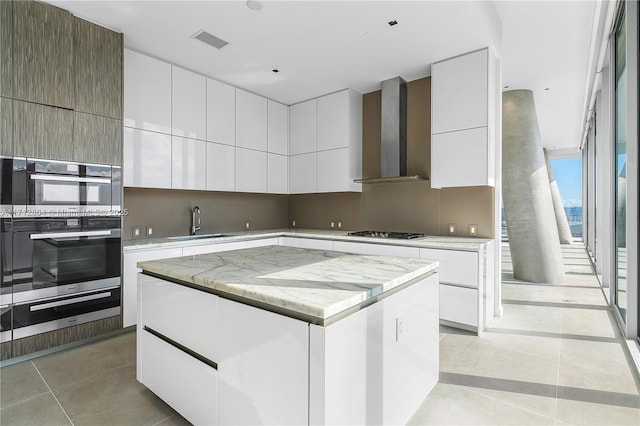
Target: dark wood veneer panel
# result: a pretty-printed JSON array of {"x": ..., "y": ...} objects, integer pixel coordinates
[
  {"x": 98, "y": 69},
  {"x": 6, "y": 48},
  {"x": 97, "y": 139},
  {"x": 6, "y": 126},
  {"x": 42, "y": 131},
  {"x": 43, "y": 54}
]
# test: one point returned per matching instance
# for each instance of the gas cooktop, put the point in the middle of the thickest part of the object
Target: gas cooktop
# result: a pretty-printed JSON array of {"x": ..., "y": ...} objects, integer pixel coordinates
[{"x": 384, "y": 234}]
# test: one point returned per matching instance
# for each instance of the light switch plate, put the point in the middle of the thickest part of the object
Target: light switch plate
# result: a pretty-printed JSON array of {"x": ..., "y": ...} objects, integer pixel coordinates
[
  {"x": 473, "y": 230},
  {"x": 149, "y": 231},
  {"x": 136, "y": 232}
]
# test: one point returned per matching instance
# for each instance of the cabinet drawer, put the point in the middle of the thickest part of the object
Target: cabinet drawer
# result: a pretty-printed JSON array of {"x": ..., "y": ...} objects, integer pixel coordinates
[
  {"x": 177, "y": 312},
  {"x": 456, "y": 267},
  {"x": 289, "y": 241},
  {"x": 213, "y": 248},
  {"x": 188, "y": 385},
  {"x": 459, "y": 304},
  {"x": 316, "y": 244},
  {"x": 377, "y": 249},
  {"x": 264, "y": 242}
]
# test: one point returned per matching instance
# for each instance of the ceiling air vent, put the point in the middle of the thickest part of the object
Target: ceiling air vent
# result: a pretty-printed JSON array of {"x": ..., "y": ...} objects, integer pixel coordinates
[{"x": 210, "y": 39}]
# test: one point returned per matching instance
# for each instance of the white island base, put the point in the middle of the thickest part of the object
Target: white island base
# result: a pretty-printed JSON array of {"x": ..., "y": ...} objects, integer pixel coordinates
[{"x": 221, "y": 361}]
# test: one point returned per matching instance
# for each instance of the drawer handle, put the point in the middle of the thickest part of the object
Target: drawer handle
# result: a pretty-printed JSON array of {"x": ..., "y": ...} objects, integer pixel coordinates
[{"x": 183, "y": 348}]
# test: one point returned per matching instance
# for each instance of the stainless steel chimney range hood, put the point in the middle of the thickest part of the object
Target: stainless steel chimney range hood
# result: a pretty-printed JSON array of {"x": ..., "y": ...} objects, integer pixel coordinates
[{"x": 393, "y": 146}]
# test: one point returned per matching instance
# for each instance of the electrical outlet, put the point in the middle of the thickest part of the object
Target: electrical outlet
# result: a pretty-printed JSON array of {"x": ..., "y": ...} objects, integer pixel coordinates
[
  {"x": 246, "y": 225},
  {"x": 333, "y": 224},
  {"x": 149, "y": 231},
  {"x": 451, "y": 229},
  {"x": 473, "y": 230},
  {"x": 136, "y": 232},
  {"x": 293, "y": 224},
  {"x": 339, "y": 225}
]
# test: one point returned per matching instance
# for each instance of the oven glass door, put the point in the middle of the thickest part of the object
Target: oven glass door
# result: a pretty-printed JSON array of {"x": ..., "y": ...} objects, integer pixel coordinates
[{"x": 5, "y": 323}]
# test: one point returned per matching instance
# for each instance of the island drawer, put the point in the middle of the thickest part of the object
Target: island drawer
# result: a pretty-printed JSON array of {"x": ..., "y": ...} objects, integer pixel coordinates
[
  {"x": 185, "y": 383},
  {"x": 376, "y": 249},
  {"x": 456, "y": 267},
  {"x": 459, "y": 305},
  {"x": 180, "y": 313}
]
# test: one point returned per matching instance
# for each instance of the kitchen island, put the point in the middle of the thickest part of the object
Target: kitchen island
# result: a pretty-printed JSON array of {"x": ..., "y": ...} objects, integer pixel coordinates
[{"x": 284, "y": 335}]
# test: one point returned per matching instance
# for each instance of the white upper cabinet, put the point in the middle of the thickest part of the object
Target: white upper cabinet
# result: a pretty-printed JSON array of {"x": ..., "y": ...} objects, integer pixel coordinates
[
  {"x": 278, "y": 128},
  {"x": 221, "y": 167},
  {"x": 189, "y": 104},
  {"x": 303, "y": 173},
  {"x": 277, "y": 174},
  {"x": 303, "y": 127},
  {"x": 459, "y": 92},
  {"x": 251, "y": 121},
  {"x": 147, "y": 159},
  {"x": 188, "y": 163},
  {"x": 147, "y": 93},
  {"x": 251, "y": 170},
  {"x": 465, "y": 110},
  {"x": 221, "y": 112},
  {"x": 333, "y": 170},
  {"x": 333, "y": 121}
]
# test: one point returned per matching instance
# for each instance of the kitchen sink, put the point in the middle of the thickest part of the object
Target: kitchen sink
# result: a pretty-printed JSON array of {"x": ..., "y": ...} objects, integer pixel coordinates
[{"x": 198, "y": 237}]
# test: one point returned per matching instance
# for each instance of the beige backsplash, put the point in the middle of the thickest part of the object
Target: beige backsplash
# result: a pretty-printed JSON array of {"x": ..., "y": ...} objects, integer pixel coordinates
[{"x": 403, "y": 207}]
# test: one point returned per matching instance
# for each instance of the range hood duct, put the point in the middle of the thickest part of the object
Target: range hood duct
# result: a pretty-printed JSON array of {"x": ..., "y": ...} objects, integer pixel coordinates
[{"x": 394, "y": 128}]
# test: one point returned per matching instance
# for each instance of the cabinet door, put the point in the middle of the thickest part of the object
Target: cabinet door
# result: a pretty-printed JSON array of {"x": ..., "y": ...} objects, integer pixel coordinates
[
  {"x": 98, "y": 69},
  {"x": 130, "y": 279},
  {"x": 97, "y": 139},
  {"x": 333, "y": 121},
  {"x": 213, "y": 248},
  {"x": 303, "y": 127},
  {"x": 251, "y": 170},
  {"x": 333, "y": 170},
  {"x": 147, "y": 88},
  {"x": 456, "y": 267},
  {"x": 278, "y": 128},
  {"x": 262, "y": 351},
  {"x": 147, "y": 159},
  {"x": 221, "y": 112},
  {"x": 188, "y": 163},
  {"x": 45, "y": 33},
  {"x": 459, "y": 92},
  {"x": 278, "y": 174},
  {"x": 460, "y": 159},
  {"x": 221, "y": 167},
  {"x": 6, "y": 49},
  {"x": 42, "y": 131},
  {"x": 6, "y": 126},
  {"x": 377, "y": 249},
  {"x": 188, "y": 104},
  {"x": 303, "y": 173},
  {"x": 459, "y": 305},
  {"x": 251, "y": 121},
  {"x": 310, "y": 243}
]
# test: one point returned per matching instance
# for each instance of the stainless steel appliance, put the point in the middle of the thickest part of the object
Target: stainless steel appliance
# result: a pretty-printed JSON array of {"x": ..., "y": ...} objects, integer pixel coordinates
[
  {"x": 55, "y": 188},
  {"x": 385, "y": 234}
]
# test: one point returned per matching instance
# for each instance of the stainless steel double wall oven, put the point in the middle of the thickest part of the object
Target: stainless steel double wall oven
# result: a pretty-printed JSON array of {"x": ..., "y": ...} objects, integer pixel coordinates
[{"x": 60, "y": 240}]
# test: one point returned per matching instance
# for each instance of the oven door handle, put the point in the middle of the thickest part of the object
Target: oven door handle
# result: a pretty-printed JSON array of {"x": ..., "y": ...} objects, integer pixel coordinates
[
  {"x": 70, "y": 178},
  {"x": 69, "y": 234},
  {"x": 42, "y": 306}
]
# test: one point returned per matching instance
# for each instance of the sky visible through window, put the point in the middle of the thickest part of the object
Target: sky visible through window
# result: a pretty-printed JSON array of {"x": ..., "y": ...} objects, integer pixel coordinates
[{"x": 568, "y": 173}]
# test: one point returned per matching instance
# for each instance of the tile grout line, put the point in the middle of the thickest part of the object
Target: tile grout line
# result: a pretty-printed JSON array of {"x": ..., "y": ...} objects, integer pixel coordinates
[
  {"x": 166, "y": 418},
  {"x": 25, "y": 400},
  {"x": 53, "y": 394}
]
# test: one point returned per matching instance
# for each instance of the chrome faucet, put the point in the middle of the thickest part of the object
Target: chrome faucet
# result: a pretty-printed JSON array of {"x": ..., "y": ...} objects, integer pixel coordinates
[{"x": 195, "y": 220}]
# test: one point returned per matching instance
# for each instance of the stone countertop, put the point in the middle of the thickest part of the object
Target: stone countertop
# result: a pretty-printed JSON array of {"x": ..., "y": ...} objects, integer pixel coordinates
[
  {"x": 312, "y": 285},
  {"x": 436, "y": 242}
]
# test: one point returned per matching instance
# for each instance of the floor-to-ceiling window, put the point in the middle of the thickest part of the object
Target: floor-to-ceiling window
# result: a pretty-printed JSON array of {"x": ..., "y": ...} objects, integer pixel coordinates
[
  {"x": 620, "y": 166},
  {"x": 568, "y": 174}
]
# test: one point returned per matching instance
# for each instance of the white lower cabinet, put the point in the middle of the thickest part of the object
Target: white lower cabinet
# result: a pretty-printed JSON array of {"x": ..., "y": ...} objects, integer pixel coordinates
[
  {"x": 251, "y": 170},
  {"x": 289, "y": 241},
  {"x": 146, "y": 159},
  {"x": 275, "y": 241},
  {"x": 213, "y": 248},
  {"x": 130, "y": 279},
  {"x": 459, "y": 305},
  {"x": 456, "y": 267},
  {"x": 310, "y": 243},
  {"x": 376, "y": 249},
  {"x": 263, "y": 367}
]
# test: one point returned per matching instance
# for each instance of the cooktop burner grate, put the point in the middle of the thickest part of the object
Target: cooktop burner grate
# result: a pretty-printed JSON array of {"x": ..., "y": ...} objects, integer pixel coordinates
[{"x": 385, "y": 234}]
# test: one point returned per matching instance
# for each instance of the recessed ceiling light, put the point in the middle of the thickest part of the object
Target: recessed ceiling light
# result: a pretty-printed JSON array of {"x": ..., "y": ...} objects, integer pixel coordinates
[
  {"x": 254, "y": 5},
  {"x": 275, "y": 70},
  {"x": 392, "y": 23}
]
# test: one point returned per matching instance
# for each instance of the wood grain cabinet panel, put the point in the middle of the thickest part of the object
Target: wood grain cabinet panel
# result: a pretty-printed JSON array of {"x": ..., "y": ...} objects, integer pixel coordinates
[
  {"x": 43, "y": 54},
  {"x": 98, "y": 69},
  {"x": 42, "y": 131},
  {"x": 6, "y": 51},
  {"x": 97, "y": 139},
  {"x": 6, "y": 126}
]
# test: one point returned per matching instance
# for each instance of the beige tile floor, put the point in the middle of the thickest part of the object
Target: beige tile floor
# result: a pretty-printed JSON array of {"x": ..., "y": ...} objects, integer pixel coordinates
[{"x": 555, "y": 357}]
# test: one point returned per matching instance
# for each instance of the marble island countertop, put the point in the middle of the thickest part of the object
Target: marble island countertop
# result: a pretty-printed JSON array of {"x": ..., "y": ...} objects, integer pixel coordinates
[
  {"x": 313, "y": 285},
  {"x": 429, "y": 241}
]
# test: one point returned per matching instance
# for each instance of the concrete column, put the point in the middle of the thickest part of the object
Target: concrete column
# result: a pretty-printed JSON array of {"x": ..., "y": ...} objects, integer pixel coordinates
[
  {"x": 564, "y": 230},
  {"x": 528, "y": 207}
]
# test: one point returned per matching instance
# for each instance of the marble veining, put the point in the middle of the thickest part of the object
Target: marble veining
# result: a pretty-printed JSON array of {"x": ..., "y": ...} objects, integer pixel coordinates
[{"x": 316, "y": 283}]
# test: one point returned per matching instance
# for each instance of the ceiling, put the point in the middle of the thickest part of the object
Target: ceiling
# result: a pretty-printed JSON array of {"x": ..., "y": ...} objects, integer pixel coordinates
[{"x": 323, "y": 46}]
